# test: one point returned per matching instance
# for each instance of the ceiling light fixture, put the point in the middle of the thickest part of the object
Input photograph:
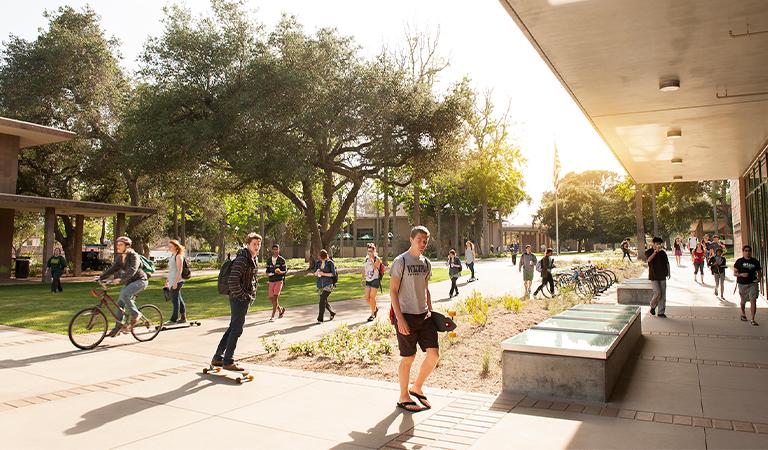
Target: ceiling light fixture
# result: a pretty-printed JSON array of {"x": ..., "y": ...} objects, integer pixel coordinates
[
  {"x": 675, "y": 134},
  {"x": 669, "y": 85},
  {"x": 677, "y": 160},
  {"x": 677, "y": 177}
]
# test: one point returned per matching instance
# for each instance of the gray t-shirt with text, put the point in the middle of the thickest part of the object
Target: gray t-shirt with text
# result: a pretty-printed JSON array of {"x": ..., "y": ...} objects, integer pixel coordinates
[{"x": 414, "y": 273}]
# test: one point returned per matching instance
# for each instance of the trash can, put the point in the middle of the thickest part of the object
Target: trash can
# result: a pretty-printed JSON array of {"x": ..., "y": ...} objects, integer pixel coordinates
[{"x": 22, "y": 268}]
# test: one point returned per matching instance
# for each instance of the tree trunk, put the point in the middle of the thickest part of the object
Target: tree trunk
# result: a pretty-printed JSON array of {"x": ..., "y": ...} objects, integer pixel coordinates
[
  {"x": 377, "y": 226},
  {"x": 262, "y": 229},
  {"x": 457, "y": 244},
  {"x": 438, "y": 239},
  {"x": 103, "y": 230},
  {"x": 385, "y": 246},
  {"x": 653, "y": 208},
  {"x": 175, "y": 220},
  {"x": 221, "y": 239},
  {"x": 354, "y": 230},
  {"x": 183, "y": 227},
  {"x": 639, "y": 222},
  {"x": 65, "y": 237},
  {"x": 416, "y": 203},
  {"x": 484, "y": 229}
]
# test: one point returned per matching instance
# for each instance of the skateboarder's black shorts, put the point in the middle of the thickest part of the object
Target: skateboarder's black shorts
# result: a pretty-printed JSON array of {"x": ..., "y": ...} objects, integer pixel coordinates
[{"x": 423, "y": 332}]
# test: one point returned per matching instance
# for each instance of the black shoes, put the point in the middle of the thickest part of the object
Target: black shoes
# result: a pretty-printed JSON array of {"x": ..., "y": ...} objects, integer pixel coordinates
[
  {"x": 217, "y": 362},
  {"x": 653, "y": 311},
  {"x": 662, "y": 315}
]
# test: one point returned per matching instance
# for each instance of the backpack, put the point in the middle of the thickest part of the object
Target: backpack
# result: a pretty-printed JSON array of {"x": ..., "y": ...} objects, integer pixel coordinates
[
  {"x": 186, "y": 274},
  {"x": 146, "y": 265},
  {"x": 382, "y": 268},
  {"x": 335, "y": 277},
  {"x": 226, "y": 268},
  {"x": 538, "y": 266}
]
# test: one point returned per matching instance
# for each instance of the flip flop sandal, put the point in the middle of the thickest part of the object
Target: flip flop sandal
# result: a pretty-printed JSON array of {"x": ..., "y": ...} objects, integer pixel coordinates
[
  {"x": 282, "y": 311},
  {"x": 370, "y": 319},
  {"x": 754, "y": 323},
  {"x": 405, "y": 406},
  {"x": 422, "y": 399}
]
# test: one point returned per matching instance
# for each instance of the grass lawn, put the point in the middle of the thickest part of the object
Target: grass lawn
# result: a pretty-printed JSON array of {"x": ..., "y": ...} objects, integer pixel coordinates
[{"x": 33, "y": 306}]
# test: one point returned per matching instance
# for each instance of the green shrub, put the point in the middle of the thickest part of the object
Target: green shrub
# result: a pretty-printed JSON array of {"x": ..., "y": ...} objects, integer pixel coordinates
[
  {"x": 303, "y": 348},
  {"x": 485, "y": 367},
  {"x": 271, "y": 345},
  {"x": 476, "y": 307},
  {"x": 511, "y": 303}
]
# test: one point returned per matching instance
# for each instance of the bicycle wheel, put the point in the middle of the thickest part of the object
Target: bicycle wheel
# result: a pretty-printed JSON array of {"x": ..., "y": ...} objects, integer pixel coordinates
[
  {"x": 87, "y": 328},
  {"x": 149, "y": 325},
  {"x": 548, "y": 293},
  {"x": 585, "y": 289},
  {"x": 611, "y": 274}
]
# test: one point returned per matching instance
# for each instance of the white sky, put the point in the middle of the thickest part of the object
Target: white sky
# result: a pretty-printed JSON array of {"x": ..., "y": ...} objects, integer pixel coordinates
[{"x": 478, "y": 38}]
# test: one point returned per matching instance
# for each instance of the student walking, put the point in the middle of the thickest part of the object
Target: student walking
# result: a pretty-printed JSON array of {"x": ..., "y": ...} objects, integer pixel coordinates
[
  {"x": 454, "y": 271},
  {"x": 372, "y": 274},
  {"x": 716, "y": 243},
  {"x": 325, "y": 271},
  {"x": 411, "y": 315},
  {"x": 625, "y": 250},
  {"x": 527, "y": 266},
  {"x": 276, "y": 269},
  {"x": 658, "y": 273},
  {"x": 174, "y": 282},
  {"x": 698, "y": 261},
  {"x": 749, "y": 273},
  {"x": 547, "y": 264},
  {"x": 514, "y": 249},
  {"x": 692, "y": 241},
  {"x": 241, "y": 284},
  {"x": 678, "y": 250},
  {"x": 717, "y": 264},
  {"x": 469, "y": 259},
  {"x": 56, "y": 265}
]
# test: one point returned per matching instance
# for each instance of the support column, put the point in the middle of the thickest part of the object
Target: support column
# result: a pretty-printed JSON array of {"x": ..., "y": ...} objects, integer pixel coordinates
[
  {"x": 77, "y": 259},
  {"x": 639, "y": 222},
  {"x": 49, "y": 239},
  {"x": 119, "y": 230},
  {"x": 6, "y": 242}
]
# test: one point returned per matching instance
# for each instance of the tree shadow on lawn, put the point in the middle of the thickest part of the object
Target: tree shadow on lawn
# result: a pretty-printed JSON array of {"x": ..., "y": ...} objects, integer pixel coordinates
[{"x": 115, "y": 411}]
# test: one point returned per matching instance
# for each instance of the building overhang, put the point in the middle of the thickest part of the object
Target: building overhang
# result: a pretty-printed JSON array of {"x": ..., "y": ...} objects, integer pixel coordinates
[
  {"x": 31, "y": 134},
  {"x": 63, "y": 207}
]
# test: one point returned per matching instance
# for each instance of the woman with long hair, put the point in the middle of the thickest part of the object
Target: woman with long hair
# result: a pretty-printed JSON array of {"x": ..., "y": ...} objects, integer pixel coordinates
[
  {"x": 469, "y": 258},
  {"x": 454, "y": 271},
  {"x": 325, "y": 271},
  {"x": 174, "y": 282},
  {"x": 698, "y": 261},
  {"x": 372, "y": 279},
  {"x": 678, "y": 250}
]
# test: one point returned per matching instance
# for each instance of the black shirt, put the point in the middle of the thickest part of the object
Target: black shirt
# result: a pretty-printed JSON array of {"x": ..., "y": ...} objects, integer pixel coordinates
[
  {"x": 658, "y": 268},
  {"x": 718, "y": 264},
  {"x": 749, "y": 266}
]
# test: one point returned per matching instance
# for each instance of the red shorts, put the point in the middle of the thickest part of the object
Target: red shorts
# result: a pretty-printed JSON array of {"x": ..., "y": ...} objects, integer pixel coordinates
[{"x": 274, "y": 288}]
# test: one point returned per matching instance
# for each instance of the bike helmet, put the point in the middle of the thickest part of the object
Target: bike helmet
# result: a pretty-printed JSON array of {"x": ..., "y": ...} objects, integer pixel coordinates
[{"x": 124, "y": 239}]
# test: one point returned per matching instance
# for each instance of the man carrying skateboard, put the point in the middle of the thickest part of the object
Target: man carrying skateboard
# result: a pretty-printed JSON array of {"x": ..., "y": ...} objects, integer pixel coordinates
[
  {"x": 411, "y": 308},
  {"x": 242, "y": 292}
]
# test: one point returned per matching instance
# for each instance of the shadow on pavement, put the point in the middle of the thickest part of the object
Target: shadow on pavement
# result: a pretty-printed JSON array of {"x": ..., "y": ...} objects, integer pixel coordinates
[
  {"x": 378, "y": 432},
  {"x": 16, "y": 363},
  {"x": 124, "y": 408}
]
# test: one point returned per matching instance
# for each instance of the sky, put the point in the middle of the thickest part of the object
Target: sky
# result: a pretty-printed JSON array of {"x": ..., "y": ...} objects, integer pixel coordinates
[{"x": 478, "y": 38}]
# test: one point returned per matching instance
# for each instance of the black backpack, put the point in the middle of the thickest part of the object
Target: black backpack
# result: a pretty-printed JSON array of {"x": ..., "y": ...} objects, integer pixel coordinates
[
  {"x": 335, "y": 277},
  {"x": 226, "y": 268},
  {"x": 186, "y": 274}
]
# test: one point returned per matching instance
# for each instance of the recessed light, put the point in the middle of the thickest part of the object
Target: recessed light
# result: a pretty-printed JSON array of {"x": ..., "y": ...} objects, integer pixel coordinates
[
  {"x": 677, "y": 160},
  {"x": 669, "y": 85},
  {"x": 677, "y": 177},
  {"x": 674, "y": 134}
]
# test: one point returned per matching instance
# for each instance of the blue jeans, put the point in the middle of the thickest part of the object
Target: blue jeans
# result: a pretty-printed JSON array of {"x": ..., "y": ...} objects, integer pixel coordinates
[
  {"x": 179, "y": 307},
  {"x": 128, "y": 298},
  {"x": 228, "y": 342}
]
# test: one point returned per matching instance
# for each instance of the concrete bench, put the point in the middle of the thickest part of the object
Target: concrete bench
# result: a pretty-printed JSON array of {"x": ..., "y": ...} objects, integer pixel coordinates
[
  {"x": 635, "y": 291},
  {"x": 578, "y": 354}
]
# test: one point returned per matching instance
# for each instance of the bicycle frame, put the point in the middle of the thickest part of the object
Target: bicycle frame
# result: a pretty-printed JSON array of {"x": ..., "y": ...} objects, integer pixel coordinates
[{"x": 105, "y": 300}]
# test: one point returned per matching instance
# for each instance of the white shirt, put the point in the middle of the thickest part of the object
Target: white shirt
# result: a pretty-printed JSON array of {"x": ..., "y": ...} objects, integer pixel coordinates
[
  {"x": 692, "y": 241},
  {"x": 370, "y": 271}
]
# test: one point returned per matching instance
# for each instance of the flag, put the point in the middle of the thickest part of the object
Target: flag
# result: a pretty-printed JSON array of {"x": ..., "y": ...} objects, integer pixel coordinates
[{"x": 556, "y": 172}]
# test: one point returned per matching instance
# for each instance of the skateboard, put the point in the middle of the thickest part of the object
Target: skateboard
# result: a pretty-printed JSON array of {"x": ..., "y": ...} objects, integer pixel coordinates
[
  {"x": 191, "y": 323},
  {"x": 241, "y": 378}
]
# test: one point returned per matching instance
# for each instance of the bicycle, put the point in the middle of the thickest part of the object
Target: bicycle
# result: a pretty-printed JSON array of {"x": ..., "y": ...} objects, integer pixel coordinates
[{"x": 88, "y": 327}]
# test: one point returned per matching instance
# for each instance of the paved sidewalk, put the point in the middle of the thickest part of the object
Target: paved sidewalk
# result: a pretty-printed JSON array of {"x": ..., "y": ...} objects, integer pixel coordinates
[{"x": 697, "y": 382}]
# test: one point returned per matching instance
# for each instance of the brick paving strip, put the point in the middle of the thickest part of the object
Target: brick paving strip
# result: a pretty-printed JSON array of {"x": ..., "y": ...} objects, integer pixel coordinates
[
  {"x": 716, "y": 336},
  {"x": 84, "y": 389},
  {"x": 708, "y": 362},
  {"x": 27, "y": 341},
  {"x": 466, "y": 419}
]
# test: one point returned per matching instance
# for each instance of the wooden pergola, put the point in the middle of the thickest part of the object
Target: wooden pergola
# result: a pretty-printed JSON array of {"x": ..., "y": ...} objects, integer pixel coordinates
[{"x": 14, "y": 136}]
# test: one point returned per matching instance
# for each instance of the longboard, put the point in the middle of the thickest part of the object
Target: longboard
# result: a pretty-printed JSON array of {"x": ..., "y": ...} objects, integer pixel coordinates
[
  {"x": 241, "y": 378},
  {"x": 193, "y": 323}
]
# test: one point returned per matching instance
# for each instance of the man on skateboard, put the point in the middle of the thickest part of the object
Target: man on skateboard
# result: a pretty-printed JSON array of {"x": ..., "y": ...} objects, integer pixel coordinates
[
  {"x": 242, "y": 292},
  {"x": 411, "y": 307}
]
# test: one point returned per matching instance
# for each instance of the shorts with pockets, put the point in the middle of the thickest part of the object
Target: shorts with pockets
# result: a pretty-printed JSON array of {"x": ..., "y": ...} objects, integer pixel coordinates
[
  {"x": 274, "y": 288},
  {"x": 527, "y": 275},
  {"x": 375, "y": 283},
  {"x": 423, "y": 333}
]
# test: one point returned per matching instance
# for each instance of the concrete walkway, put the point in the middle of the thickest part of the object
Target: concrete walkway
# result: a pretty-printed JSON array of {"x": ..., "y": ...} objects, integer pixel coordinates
[{"x": 697, "y": 382}]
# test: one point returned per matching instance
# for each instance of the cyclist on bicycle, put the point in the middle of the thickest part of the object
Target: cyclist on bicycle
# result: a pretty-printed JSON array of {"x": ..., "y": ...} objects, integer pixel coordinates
[{"x": 134, "y": 280}]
